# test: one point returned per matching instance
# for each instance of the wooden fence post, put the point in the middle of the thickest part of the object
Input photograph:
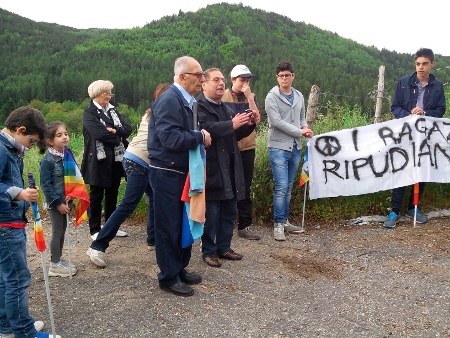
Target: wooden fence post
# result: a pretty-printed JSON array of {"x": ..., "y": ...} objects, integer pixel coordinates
[
  {"x": 313, "y": 107},
  {"x": 380, "y": 93}
]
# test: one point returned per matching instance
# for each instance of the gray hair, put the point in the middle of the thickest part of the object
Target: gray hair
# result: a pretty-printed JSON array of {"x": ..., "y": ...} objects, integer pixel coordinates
[
  {"x": 98, "y": 87},
  {"x": 182, "y": 65},
  {"x": 209, "y": 70}
]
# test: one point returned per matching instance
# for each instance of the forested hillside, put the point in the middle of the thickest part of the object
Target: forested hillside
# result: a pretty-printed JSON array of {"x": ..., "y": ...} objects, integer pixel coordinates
[{"x": 48, "y": 62}]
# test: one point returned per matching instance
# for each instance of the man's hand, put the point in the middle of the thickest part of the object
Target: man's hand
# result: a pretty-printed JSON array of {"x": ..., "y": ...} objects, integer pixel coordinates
[
  {"x": 240, "y": 119},
  {"x": 417, "y": 111},
  {"x": 306, "y": 132},
  {"x": 206, "y": 138}
]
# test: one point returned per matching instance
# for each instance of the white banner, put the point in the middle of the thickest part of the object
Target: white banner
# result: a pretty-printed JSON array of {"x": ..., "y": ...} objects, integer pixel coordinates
[{"x": 379, "y": 157}]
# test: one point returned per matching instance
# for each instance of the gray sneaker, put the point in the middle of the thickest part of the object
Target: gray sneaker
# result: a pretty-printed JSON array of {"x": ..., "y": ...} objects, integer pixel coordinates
[
  {"x": 60, "y": 271},
  {"x": 66, "y": 264},
  {"x": 391, "y": 220},
  {"x": 420, "y": 219},
  {"x": 248, "y": 233},
  {"x": 278, "y": 232},
  {"x": 289, "y": 227}
]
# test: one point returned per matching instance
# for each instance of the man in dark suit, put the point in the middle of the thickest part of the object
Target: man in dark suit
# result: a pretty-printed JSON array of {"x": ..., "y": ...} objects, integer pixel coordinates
[{"x": 225, "y": 182}]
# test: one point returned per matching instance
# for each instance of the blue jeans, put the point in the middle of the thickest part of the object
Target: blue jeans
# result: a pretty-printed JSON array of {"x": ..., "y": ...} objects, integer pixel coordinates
[
  {"x": 219, "y": 225},
  {"x": 15, "y": 278},
  {"x": 284, "y": 166},
  {"x": 137, "y": 185},
  {"x": 172, "y": 259}
]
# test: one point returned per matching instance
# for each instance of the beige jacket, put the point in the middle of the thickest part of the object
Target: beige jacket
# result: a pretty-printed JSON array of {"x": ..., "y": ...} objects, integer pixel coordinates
[{"x": 239, "y": 103}]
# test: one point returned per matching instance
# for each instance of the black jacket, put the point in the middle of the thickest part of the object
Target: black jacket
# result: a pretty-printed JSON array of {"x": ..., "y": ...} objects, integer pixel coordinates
[
  {"x": 97, "y": 172},
  {"x": 218, "y": 175}
]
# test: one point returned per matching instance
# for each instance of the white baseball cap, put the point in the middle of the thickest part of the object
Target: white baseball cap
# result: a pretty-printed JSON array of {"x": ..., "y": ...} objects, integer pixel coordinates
[{"x": 241, "y": 71}]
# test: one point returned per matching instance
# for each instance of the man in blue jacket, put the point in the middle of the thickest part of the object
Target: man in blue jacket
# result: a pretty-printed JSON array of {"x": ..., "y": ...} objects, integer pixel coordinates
[
  {"x": 418, "y": 94},
  {"x": 171, "y": 135}
]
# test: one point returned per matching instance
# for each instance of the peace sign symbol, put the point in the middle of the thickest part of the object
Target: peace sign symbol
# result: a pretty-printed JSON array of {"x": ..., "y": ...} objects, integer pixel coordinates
[{"x": 328, "y": 145}]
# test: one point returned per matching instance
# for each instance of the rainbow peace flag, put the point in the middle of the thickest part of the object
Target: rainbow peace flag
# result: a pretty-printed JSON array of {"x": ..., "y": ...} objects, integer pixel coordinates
[
  {"x": 304, "y": 176},
  {"x": 74, "y": 186},
  {"x": 38, "y": 229}
]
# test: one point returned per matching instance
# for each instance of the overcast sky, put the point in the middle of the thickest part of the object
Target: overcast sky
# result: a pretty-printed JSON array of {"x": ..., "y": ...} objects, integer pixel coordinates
[{"x": 397, "y": 25}]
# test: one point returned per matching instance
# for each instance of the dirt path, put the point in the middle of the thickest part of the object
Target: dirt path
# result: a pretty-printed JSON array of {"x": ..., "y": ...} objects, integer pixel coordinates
[{"x": 333, "y": 281}]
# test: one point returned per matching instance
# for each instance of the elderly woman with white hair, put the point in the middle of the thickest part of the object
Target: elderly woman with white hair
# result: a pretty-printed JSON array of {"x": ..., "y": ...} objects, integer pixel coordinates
[{"x": 105, "y": 132}]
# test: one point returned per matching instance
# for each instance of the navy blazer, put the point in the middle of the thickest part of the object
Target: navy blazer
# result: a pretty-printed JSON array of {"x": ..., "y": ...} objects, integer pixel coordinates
[
  {"x": 171, "y": 132},
  {"x": 406, "y": 92}
]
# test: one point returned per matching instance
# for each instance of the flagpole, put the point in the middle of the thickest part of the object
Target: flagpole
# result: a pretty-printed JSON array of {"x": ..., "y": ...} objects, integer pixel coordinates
[
  {"x": 47, "y": 290},
  {"x": 68, "y": 245},
  {"x": 304, "y": 204},
  {"x": 41, "y": 248},
  {"x": 415, "y": 201}
]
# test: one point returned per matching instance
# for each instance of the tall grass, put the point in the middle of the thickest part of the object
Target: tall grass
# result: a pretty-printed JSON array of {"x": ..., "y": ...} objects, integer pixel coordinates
[
  {"x": 319, "y": 210},
  {"x": 331, "y": 209},
  {"x": 31, "y": 164}
]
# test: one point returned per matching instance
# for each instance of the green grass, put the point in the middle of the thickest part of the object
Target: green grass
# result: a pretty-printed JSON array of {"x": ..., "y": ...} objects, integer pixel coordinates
[{"x": 319, "y": 210}]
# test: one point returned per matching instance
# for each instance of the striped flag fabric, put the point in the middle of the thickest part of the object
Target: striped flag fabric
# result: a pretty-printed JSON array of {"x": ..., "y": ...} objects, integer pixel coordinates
[
  {"x": 416, "y": 194},
  {"x": 304, "y": 176},
  {"x": 38, "y": 229},
  {"x": 74, "y": 186},
  {"x": 193, "y": 197}
]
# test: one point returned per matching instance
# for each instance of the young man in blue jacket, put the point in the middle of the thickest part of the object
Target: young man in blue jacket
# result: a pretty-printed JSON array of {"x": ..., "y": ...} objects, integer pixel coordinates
[{"x": 419, "y": 94}]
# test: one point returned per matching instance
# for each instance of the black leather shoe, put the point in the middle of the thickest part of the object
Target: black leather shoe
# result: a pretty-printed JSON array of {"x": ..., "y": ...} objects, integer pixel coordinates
[
  {"x": 191, "y": 278},
  {"x": 179, "y": 289}
]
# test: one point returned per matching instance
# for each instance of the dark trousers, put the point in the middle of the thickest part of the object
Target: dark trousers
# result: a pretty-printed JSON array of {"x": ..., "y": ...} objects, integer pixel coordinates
[
  {"x": 397, "y": 197},
  {"x": 59, "y": 226},
  {"x": 96, "y": 195},
  {"x": 172, "y": 259},
  {"x": 245, "y": 206},
  {"x": 219, "y": 225},
  {"x": 137, "y": 185}
]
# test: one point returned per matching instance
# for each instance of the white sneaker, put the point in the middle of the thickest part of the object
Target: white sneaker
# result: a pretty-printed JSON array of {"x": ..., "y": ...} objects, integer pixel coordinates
[
  {"x": 121, "y": 233},
  {"x": 278, "y": 232},
  {"x": 94, "y": 236},
  {"x": 97, "y": 257},
  {"x": 289, "y": 227},
  {"x": 38, "y": 325}
]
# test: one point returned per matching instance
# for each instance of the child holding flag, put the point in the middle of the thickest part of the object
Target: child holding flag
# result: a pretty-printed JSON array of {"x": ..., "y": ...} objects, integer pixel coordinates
[
  {"x": 24, "y": 127},
  {"x": 58, "y": 203}
]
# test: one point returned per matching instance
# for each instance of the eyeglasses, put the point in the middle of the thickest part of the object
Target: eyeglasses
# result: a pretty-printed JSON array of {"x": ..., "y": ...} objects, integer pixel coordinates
[
  {"x": 218, "y": 79},
  {"x": 108, "y": 94},
  {"x": 286, "y": 76},
  {"x": 198, "y": 74}
]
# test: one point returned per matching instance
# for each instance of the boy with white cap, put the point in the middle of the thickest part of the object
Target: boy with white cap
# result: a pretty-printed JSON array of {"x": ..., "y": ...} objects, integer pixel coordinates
[{"x": 240, "y": 98}]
